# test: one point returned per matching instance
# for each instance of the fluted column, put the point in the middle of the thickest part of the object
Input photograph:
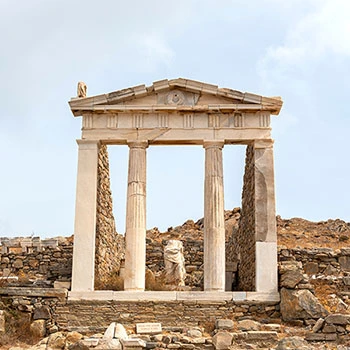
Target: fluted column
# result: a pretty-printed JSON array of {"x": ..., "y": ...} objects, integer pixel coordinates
[
  {"x": 83, "y": 270},
  {"x": 214, "y": 221},
  {"x": 135, "y": 235}
]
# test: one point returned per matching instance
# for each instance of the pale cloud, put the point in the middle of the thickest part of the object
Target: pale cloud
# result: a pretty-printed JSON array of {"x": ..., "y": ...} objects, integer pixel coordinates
[
  {"x": 320, "y": 32},
  {"x": 154, "y": 50}
]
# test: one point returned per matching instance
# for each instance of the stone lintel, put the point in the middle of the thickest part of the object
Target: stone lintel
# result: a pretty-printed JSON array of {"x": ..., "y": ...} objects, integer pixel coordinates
[
  {"x": 60, "y": 293},
  {"x": 194, "y": 136},
  {"x": 263, "y": 143},
  {"x": 88, "y": 144}
]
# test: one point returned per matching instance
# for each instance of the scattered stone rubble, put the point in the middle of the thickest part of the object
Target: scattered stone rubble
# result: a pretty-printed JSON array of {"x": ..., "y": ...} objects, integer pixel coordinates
[{"x": 227, "y": 334}]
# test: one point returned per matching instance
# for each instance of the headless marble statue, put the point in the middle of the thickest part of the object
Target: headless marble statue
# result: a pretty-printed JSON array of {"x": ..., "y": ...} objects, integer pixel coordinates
[{"x": 174, "y": 261}]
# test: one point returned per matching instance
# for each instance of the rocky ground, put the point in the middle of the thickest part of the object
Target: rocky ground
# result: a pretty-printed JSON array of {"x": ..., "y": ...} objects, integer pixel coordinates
[
  {"x": 243, "y": 334},
  {"x": 294, "y": 232}
]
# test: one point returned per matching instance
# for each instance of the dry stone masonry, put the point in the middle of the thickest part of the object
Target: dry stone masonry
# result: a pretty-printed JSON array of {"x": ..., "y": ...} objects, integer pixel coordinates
[{"x": 109, "y": 244}]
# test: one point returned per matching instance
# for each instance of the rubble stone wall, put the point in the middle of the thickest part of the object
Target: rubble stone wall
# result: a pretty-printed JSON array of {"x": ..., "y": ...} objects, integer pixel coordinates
[
  {"x": 48, "y": 265},
  {"x": 246, "y": 232},
  {"x": 76, "y": 315},
  {"x": 322, "y": 264},
  {"x": 109, "y": 244}
]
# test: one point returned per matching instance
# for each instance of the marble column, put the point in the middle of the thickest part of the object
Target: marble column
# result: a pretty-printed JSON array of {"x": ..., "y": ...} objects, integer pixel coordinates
[
  {"x": 83, "y": 270},
  {"x": 265, "y": 218},
  {"x": 135, "y": 235},
  {"x": 214, "y": 221}
]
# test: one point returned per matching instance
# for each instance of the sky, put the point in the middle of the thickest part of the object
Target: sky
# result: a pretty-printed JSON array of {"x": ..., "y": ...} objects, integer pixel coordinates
[{"x": 296, "y": 49}]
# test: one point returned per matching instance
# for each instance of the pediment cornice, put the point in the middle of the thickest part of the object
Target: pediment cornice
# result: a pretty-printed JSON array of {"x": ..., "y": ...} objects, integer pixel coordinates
[{"x": 176, "y": 94}]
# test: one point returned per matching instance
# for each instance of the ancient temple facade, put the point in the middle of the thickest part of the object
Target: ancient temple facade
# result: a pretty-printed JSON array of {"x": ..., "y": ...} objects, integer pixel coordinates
[{"x": 180, "y": 112}]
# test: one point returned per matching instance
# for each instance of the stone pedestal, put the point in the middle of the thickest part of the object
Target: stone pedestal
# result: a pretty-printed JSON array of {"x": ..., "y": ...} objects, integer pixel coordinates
[
  {"x": 83, "y": 270},
  {"x": 265, "y": 218},
  {"x": 214, "y": 221},
  {"x": 135, "y": 235}
]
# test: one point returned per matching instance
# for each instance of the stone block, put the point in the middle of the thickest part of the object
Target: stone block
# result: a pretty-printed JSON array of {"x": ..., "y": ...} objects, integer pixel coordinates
[
  {"x": 329, "y": 328},
  {"x": 292, "y": 343},
  {"x": 261, "y": 335},
  {"x": 199, "y": 340},
  {"x": 89, "y": 342},
  {"x": 73, "y": 337},
  {"x": 275, "y": 327},
  {"x": 239, "y": 296},
  {"x": 344, "y": 262},
  {"x": 38, "y": 328},
  {"x": 311, "y": 268},
  {"x": 6, "y": 272},
  {"x": 194, "y": 333},
  {"x": 318, "y": 325},
  {"x": 291, "y": 278},
  {"x": 56, "y": 341},
  {"x": 61, "y": 284},
  {"x": 110, "y": 344},
  {"x": 18, "y": 264},
  {"x": 2, "y": 321},
  {"x": 207, "y": 295},
  {"x": 153, "y": 345},
  {"x": 248, "y": 325},
  {"x": 133, "y": 343},
  {"x": 339, "y": 319},
  {"x": 321, "y": 337},
  {"x": 187, "y": 346},
  {"x": 261, "y": 296},
  {"x": 42, "y": 313},
  {"x": 266, "y": 267},
  {"x": 109, "y": 333},
  {"x": 120, "y": 332},
  {"x": 222, "y": 340},
  {"x": 300, "y": 304},
  {"x": 148, "y": 328},
  {"x": 224, "y": 324}
]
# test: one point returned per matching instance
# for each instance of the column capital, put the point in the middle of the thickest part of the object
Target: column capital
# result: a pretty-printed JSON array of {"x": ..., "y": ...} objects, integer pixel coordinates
[
  {"x": 88, "y": 144},
  {"x": 263, "y": 143},
  {"x": 213, "y": 144},
  {"x": 138, "y": 144}
]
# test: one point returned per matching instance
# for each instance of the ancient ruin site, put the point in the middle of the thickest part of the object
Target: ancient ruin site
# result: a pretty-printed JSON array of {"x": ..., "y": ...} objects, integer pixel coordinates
[{"x": 237, "y": 278}]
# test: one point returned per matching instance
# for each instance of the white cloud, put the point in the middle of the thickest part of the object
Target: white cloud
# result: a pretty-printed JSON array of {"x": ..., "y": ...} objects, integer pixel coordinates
[
  {"x": 152, "y": 50},
  {"x": 325, "y": 30}
]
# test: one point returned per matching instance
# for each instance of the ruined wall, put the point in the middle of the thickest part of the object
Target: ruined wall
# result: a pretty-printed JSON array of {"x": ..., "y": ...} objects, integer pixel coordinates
[
  {"x": 109, "y": 245},
  {"x": 246, "y": 233},
  {"x": 42, "y": 266},
  {"x": 86, "y": 316},
  {"x": 322, "y": 265}
]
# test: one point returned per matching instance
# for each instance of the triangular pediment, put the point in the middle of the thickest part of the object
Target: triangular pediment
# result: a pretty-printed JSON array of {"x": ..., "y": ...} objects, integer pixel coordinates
[{"x": 176, "y": 93}]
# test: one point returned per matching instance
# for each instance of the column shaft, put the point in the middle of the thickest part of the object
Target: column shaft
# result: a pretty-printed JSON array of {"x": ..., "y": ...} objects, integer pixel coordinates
[
  {"x": 265, "y": 219},
  {"x": 214, "y": 222},
  {"x": 135, "y": 235},
  {"x": 83, "y": 270}
]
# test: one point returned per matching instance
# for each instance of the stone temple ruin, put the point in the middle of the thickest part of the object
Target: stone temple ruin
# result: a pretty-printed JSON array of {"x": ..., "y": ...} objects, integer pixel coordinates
[{"x": 175, "y": 112}]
